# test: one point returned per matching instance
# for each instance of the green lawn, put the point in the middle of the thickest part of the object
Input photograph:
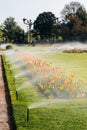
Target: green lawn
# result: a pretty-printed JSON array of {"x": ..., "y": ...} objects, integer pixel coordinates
[{"x": 60, "y": 115}]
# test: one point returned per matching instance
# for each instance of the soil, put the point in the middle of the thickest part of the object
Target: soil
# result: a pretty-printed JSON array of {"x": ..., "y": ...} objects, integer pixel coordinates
[{"x": 6, "y": 118}]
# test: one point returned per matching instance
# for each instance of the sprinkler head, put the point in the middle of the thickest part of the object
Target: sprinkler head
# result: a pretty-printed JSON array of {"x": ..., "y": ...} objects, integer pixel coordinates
[
  {"x": 28, "y": 114},
  {"x": 8, "y": 65},
  {"x": 14, "y": 80},
  {"x": 10, "y": 71},
  {"x": 16, "y": 94}
]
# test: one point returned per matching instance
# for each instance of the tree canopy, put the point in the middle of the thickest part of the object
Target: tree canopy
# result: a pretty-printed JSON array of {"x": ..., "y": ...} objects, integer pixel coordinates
[
  {"x": 74, "y": 17},
  {"x": 12, "y": 32},
  {"x": 44, "y": 23},
  {"x": 71, "y": 25}
]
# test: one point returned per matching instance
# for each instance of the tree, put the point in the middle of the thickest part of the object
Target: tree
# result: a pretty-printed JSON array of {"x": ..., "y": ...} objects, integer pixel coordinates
[
  {"x": 18, "y": 34},
  {"x": 70, "y": 9},
  {"x": 12, "y": 32},
  {"x": 56, "y": 30},
  {"x": 82, "y": 15},
  {"x": 44, "y": 23},
  {"x": 9, "y": 27},
  {"x": 74, "y": 17},
  {"x": 1, "y": 34}
]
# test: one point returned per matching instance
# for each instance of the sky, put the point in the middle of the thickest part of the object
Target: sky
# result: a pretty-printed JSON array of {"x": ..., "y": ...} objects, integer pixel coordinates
[{"x": 30, "y": 9}]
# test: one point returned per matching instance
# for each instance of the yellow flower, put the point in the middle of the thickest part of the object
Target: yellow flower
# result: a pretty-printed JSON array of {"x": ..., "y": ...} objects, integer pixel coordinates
[
  {"x": 56, "y": 76},
  {"x": 51, "y": 78},
  {"x": 47, "y": 91},
  {"x": 52, "y": 87},
  {"x": 80, "y": 95},
  {"x": 61, "y": 88}
]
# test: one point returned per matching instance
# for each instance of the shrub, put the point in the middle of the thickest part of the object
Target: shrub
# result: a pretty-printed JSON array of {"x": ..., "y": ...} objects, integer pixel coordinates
[{"x": 9, "y": 46}]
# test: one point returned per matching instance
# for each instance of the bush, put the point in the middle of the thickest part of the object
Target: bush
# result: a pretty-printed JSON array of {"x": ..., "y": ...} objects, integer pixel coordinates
[{"x": 9, "y": 46}]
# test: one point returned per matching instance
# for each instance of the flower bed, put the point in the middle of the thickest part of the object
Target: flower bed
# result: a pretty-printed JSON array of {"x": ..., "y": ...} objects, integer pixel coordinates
[
  {"x": 76, "y": 50},
  {"x": 52, "y": 81}
]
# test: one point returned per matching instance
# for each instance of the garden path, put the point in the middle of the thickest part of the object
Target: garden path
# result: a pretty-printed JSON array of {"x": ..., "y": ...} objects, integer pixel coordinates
[{"x": 4, "y": 119}]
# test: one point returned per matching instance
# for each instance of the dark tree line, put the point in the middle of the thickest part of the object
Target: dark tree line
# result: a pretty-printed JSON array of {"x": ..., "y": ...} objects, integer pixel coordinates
[{"x": 72, "y": 25}]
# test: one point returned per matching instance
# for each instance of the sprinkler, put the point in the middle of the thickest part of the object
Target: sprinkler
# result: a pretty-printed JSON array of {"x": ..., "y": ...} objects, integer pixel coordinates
[
  {"x": 28, "y": 114},
  {"x": 5, "y": 61},
  {"x": 8, "y": 65},
  {"x": 14, "y": 80},
  {"x": 10, "y": 71},
  {"x": 16, "y": 94}
]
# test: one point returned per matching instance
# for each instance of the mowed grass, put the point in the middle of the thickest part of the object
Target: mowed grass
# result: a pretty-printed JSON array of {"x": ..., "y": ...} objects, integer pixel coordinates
[{"x": 65, "y": 114}]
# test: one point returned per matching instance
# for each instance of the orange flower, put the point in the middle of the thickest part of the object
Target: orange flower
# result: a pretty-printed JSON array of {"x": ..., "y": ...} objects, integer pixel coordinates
[
  {"x": 66, "y": 83},
  {"x": 46, "y": 76},
  {"x": 72, "y": 89},
  {"x": 81, "y": 80},
  {"x": 52, "y": 81}
]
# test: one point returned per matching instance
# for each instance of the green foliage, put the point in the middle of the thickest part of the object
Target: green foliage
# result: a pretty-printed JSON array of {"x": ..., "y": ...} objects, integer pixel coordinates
[
  {"x": 12, "y": 32},
  {"x": 47, "y": 28},
  {"x": 69, "y": 9},
  {"x": 1, "y": 34},
  {"x": 75, "y": 22},
  {"x": 9, "y": 46},
  {"x": 44, "y": 23},
  {"x": 9, "y": 25},
  {"x": 18, "y": 35},
  {"x": 81, "y": 13}
]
